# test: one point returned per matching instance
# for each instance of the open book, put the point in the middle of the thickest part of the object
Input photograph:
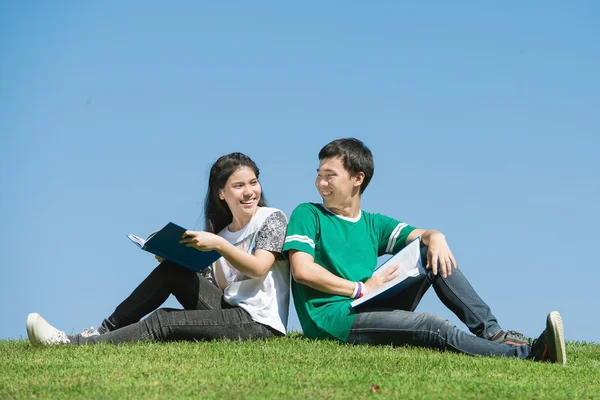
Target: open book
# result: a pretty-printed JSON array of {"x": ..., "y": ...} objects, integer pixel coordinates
[
  {"x": 165, "y": 243},
  {"x": 411, "y": 270}
]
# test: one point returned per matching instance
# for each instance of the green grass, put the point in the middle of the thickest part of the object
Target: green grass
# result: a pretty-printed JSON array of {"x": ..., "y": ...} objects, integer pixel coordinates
[{"x": 290, "y": 367}]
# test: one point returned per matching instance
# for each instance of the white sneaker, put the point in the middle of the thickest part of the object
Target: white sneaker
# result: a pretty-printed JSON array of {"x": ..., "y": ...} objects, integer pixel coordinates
[
  {"x": 41, "y": 333},
  {"x": 87, "y": 332}
]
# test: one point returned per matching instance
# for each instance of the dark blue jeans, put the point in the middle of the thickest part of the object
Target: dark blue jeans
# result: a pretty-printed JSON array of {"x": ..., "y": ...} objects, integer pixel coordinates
[
  {"x": 397, "y": 323},
  {"x": 205, "y": 315}
]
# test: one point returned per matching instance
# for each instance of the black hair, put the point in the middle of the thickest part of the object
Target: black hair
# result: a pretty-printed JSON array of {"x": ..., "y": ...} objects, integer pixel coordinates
[
  {"x": 355, "y": 155},
  {"x": 217, "y": 214}
]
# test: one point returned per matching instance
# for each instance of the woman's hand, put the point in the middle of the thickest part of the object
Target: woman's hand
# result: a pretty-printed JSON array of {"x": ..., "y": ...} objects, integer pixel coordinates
[
  {"x": 200, "y": 240},
  {"x": 439, "y": 255},
  {"x": 380, "y": 279}
]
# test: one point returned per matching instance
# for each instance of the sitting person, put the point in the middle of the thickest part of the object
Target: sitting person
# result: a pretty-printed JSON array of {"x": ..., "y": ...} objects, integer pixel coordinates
[
  {"x": 245, "y": 295},
  {"x": 333, "y": 249}
]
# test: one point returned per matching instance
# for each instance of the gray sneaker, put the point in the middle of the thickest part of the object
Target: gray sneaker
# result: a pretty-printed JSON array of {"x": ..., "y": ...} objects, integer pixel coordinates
[
  {"x": 550, "y": 346},
  {"x": 512, "y": 338},
  {"x": 41, "y": 333}
]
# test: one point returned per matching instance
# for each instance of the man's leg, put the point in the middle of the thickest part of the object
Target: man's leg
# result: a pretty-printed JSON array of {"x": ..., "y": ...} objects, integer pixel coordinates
[
  {"x": 409, "y": 298},
  {"x": 458, "y": 295},
  {"x": 192, "y": 325},
  {"x": 399, "y": 327},
  {"x": 191, "y": 289}
]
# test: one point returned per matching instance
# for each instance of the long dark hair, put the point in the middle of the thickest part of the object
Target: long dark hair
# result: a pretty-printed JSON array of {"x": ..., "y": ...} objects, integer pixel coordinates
[{"x": 217, "y": 214}]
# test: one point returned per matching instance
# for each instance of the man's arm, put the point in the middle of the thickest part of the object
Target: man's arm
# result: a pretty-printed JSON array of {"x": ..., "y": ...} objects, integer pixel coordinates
[
  {"x": 438, "y": 252},
  {"x": 309, "y": 273}
]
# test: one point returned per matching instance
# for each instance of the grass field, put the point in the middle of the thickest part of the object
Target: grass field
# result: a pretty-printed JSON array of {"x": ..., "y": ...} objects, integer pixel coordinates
[{"x": 290, "y": 367}]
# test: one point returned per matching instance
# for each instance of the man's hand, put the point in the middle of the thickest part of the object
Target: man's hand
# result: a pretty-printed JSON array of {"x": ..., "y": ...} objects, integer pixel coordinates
[
  {"x": 380, "y": 279},
  {"x": 439, "y": 256},
  {"x": 200, "y": 240},
  {"x": 159, "y": 259}
]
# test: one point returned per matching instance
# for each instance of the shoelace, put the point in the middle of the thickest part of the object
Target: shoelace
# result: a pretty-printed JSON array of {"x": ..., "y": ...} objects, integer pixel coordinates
[
  {"x": 518, "y": 336},
  {"x": 59, "y": 338},
  {"x": 515, "y": 335},
  {"x": 87, "y": 332},
  {"x": 62, "y": 336}
]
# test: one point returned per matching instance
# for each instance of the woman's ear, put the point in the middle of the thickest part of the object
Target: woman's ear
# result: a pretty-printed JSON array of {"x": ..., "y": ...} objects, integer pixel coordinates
[{"x": 221, "y": 195}]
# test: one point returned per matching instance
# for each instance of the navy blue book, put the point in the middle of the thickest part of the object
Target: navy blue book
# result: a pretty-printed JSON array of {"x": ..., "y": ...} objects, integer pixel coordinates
[
  {"x": 410, "y": 272},
  {"x": 165, "y": 243}
]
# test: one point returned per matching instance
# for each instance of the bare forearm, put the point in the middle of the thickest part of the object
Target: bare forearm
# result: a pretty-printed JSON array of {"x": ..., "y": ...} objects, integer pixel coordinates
[
  {"x": 425, "y": 235},
  {"x": 248, "y": 264},
  {"x": 317, "y": 277},
  {"x": 429, "y": 234}
]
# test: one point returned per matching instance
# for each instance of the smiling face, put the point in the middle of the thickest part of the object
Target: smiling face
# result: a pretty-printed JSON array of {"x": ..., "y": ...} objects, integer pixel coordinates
[
  {"x": 242, "y": 193},
  {"x": 335, "y": 184}
]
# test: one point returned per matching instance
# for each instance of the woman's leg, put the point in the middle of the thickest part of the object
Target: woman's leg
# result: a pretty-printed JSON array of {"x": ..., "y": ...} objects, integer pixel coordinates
[
  {"x": 192, "y": 325},
  {"x": 191, "y": 289}
]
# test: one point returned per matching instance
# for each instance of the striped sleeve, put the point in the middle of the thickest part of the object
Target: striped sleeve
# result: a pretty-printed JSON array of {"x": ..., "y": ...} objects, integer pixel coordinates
[
  {"x": 302, "y": 230},
  {"x": 392, "y": 234}
]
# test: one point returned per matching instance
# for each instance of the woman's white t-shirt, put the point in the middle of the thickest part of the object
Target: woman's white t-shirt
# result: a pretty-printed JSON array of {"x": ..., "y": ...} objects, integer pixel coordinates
[{"x": 265, "y": 299}]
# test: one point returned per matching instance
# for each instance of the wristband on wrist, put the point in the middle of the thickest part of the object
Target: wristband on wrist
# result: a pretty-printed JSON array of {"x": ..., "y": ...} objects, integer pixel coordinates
[
  {"x": 354, "y": 291},
  {"x": 361, "y": 287}
]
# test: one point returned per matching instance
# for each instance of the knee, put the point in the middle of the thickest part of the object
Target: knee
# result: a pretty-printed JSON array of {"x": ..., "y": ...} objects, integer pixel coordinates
[
  {"x": 434, "y": 322},
  {"x": 424, "y": 252},
  {"x": 166, "y": 266},
  {"x": 456, "y": 273},
  {"x": 156, "y": 318},
  {"x": 156, "y": 325},
  {"x": 171, "y": 271}
]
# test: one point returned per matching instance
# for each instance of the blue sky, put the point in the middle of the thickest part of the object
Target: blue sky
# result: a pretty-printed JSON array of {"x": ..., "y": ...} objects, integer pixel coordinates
[{"x": 483, "y": 120}]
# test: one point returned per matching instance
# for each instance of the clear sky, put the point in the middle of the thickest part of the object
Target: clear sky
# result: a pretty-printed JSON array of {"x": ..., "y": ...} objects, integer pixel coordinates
[{"x": 483, "y": 120}]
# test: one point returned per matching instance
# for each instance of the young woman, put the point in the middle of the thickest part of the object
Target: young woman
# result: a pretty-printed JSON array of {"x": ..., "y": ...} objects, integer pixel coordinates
[{"x": 245, "y": 294}]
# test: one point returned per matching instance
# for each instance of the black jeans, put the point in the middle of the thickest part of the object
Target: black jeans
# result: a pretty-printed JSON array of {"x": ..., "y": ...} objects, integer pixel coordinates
[{"x": 205, "y": 315}]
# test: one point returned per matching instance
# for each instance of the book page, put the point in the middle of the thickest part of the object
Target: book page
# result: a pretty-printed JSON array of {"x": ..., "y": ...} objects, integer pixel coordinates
[
  {"x": 137, "y": 240},
  {"x": 409, "y": 260},
  {"x": 152, "y": 234}
]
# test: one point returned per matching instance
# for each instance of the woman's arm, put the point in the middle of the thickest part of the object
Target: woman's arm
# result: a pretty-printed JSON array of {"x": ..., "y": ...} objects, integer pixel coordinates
[
  {"x": 269, "y": 242},
  {"x": 253, "y": 265}
]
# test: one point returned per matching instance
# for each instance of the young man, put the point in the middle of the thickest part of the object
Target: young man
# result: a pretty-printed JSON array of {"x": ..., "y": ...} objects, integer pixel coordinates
[{"x": 333, "y": 249}]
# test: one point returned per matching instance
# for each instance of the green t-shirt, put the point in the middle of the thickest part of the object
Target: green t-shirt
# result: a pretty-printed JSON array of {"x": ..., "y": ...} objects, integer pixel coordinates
[{"x": 345, "y": 247}]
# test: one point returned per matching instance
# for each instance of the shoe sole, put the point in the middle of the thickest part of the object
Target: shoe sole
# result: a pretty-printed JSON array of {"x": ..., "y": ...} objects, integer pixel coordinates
[
  {"x": 555, "y": 321},
  {"x": 31, "y": 322}
]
